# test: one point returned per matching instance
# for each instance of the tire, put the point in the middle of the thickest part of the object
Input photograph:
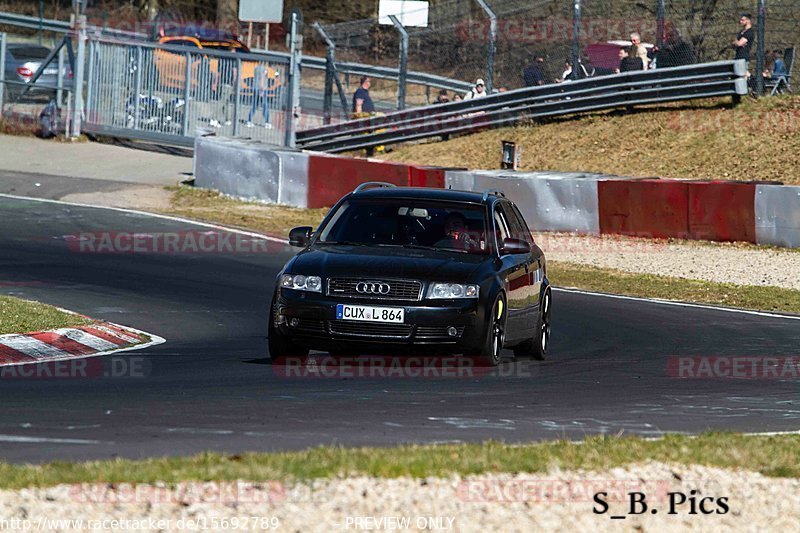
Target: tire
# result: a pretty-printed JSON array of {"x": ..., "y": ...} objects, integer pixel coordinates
[
  {"x": 537, "y": 347},
  {"x": 489, "y": 354},
  {"x": 280, "y": 345}
]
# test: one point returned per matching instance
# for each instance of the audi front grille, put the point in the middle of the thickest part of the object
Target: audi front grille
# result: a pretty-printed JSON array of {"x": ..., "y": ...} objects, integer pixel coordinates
[{"x": 375, "y": 289}]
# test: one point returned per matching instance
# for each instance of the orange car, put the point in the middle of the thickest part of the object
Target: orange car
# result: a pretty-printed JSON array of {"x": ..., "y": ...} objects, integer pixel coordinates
[{"x": 206, "y": 70}]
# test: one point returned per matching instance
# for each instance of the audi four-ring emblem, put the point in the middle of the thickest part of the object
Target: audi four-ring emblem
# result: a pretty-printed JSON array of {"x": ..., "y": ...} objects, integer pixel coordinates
[{"x": 373, "y": 287}]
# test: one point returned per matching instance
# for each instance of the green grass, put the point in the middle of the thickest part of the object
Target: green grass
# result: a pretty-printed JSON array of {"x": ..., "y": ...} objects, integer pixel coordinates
[
  {"x": 653, "y": 286},
  {"x": 23, "y": 316},
  {"x": 777, "y": 456}
]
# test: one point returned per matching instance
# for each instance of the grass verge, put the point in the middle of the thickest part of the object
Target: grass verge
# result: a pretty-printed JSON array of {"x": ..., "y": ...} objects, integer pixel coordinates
[
  {"x": 22, "y": 316},
  {"x": 612, "y": 281},
  {"x": 211, "y": 206},
  {"x": 775, "y": 456},
  {"x": 696, "y": 140}
]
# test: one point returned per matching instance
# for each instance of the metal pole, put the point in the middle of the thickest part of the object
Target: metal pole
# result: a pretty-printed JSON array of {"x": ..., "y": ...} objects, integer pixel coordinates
[
  {"x": 293, "y": 94},
  {"x": 77, "y": 108},
  {"x": 660, "y": 15},
  {"x": 2, "y": 69},
  {"x": 137, "y": 84},
  {"x": 403, "y": 70},
  {"x": 330, "y": 66},
  {"x": 762, "y": 20},
  {"x": 576, "y": 38},
  {"x": 41, "y": 20},
  {"x": 492, "y": 48},
  {"x": 60, "y": 92},
  {"x": 237, "y": 95},
  {"x": 90, "y": 84},
  {"x": 187, "y": 74}
]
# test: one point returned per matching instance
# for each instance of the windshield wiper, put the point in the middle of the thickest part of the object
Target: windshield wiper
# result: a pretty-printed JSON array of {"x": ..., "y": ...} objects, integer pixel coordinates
[
  {"x": 422, "y": 247},
  {"x": 344, "y": 243}
]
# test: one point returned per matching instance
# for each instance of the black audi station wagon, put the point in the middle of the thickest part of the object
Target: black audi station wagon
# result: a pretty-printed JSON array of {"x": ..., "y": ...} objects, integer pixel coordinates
[{"x": 418, "y": 269}]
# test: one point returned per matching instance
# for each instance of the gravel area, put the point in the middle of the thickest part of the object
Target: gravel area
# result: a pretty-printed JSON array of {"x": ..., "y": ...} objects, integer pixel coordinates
[
  {"x": 557, "y": 500},
  {"x": 723, "y": 262}
]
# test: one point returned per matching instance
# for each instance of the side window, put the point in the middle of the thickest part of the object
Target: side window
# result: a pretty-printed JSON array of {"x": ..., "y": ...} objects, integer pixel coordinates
[
  {"x": 516, "y": 231},
  {"x": 501, "y": 226},
  {"x": 522, "y": 224}
]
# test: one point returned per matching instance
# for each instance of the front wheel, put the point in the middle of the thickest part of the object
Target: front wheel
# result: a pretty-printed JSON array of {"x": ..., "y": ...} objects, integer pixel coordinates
[
  {"x": 279, "y": 344},
  {"x": 495, "y": 336}
]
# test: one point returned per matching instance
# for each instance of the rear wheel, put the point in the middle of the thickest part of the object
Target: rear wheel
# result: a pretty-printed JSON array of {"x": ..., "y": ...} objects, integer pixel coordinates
[{"x": 279, "y": 344}]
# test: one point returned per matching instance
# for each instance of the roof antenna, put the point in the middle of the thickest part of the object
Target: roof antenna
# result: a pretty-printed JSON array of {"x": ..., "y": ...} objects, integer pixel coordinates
[{"x": 450, "y": 186}]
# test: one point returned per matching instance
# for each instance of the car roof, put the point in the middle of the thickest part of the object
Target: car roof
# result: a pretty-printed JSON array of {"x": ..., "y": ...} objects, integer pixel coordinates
[{"x": 421, "y": 193}]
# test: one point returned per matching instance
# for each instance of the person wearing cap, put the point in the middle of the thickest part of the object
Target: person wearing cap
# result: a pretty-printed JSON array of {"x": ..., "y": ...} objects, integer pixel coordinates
[{"x": 476, "y": 92}]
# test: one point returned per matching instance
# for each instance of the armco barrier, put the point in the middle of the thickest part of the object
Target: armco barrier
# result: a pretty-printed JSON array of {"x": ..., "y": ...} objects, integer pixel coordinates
[
  {"x": 722, "y": 211},
  {"x": 777, "y": 213},
  {"x": 548, "y": 201},
  {"x": 644, "y": 208},
  {"x": 331, "y": 177}
]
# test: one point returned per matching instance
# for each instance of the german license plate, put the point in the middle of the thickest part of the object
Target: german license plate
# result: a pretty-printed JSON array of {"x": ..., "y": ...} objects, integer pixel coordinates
[{"x": 367, "y": 313}]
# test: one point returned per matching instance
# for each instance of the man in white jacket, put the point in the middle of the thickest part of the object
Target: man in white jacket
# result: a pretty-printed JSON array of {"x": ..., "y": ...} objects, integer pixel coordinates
[{"x": 476, "y": 92}]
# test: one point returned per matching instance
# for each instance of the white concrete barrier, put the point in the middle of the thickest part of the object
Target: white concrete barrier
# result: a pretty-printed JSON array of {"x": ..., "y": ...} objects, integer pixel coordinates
[
  {"x": 777, "y": 210},
  {"x": 549, "y": 201}
]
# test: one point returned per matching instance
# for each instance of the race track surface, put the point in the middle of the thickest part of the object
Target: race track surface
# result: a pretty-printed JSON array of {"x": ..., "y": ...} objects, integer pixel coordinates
[{"x": 211, "y": 386}]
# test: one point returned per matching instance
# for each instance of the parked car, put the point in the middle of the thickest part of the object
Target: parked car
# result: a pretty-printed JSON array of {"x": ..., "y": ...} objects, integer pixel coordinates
[
  {"x": 208, "y": 72},
  {"x": 403, "y": 267},
  {"x": 22, "y": 62}
]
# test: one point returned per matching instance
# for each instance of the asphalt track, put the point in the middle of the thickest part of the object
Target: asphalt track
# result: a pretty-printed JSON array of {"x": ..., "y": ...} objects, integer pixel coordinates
[{"x": 210, "y": 386}]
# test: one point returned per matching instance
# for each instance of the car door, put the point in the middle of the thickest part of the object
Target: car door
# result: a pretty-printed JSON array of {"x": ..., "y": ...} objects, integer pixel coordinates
[
  {"x": 536, "y": 264},
  {"x": 515, "y": 275},
  {"x": 529, "y": 304}
]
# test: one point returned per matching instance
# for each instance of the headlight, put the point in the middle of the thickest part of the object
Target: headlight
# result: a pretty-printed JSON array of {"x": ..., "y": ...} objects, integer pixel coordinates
[
  {"x": 301, "y": 283},
  {"x": 452, "y": 290}
]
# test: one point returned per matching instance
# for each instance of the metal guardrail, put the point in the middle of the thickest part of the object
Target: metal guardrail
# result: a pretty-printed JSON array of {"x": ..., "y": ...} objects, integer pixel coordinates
[
  {"x": 705, "y": 80},
  {"x": 59, "y": 26}
]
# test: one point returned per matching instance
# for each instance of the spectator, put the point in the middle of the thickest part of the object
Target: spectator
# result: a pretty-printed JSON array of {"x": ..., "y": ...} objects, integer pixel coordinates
[
  {"x": 534, "y": 73},
  {"x": 674, "y": 51},
  {"x": 778, "y": 66},
  {"x": 628, "y": 60},
  {"x": 264, "y": 92},
  {"x": 640, "y": 50},
  {"x": 567, "y": 74},
  {"x": 457, "y": 98},
  {"x": 442, "y": 98},
  {"x": 745, "y": 38},
  {"x": 476, "y": 92},
  {"x": 362, "y": 102}
]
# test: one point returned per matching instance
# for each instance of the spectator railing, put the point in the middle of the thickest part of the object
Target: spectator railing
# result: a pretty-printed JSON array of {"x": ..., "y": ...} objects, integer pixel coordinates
[{"x": 705, "y": 80}]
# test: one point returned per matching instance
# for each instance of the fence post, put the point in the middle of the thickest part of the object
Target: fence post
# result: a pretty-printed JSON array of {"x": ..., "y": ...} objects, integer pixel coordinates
[
  {"x": 2, "y": 70},
  {"x": 576, "y": 39},
  {"x": 77, "y": 108},
  {"x": 330, "y": 66},
  {"x": 762, "y": 20},
  {"x": 137, "y": 88},
  {"x": 660, "y": 15},
  {"x": 237, "y": 98},
  {"x": 187, "y": 84},
  {"x": 403, "y": 68},
  {"x": 293, "y": 94},
  {"x": 90, "y": 84},
  {"x": 59, "y": 92},
  {"x": 492, "y": 48}
]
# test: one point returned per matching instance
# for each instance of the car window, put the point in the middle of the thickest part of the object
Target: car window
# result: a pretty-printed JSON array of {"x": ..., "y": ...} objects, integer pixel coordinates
[
  {"x": 445, "y": 226},
  {"x": 519, "y": 229},
  {"x": 29, "y": 52},
  {"x": 501, "y": 226},
  {"x": 184, "y": 42}
]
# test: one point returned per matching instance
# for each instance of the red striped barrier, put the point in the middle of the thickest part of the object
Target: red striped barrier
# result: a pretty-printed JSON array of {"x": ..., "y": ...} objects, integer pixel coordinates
[
  {"x": 644, "y": 208},
  {"x": 331, "y": 177},
  {"x": 722, "y": 211},
  {"x": 426, "y": 177}
]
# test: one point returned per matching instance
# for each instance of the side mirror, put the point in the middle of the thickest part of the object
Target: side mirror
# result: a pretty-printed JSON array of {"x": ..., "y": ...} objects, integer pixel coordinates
[
  {"x": 515, "y": 246},
  {"x": 301, "y": 236}
]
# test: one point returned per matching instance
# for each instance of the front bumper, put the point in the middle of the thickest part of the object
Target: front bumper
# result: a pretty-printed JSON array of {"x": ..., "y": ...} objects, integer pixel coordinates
[{"x": 310, "y": 319}]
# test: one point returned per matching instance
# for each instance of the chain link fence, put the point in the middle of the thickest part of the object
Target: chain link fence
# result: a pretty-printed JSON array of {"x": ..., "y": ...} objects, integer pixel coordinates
[{"x": 535, "y": 39}]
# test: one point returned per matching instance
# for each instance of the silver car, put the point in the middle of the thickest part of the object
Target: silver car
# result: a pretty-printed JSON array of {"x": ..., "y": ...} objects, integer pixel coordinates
[{"x": 22, "y": 62}]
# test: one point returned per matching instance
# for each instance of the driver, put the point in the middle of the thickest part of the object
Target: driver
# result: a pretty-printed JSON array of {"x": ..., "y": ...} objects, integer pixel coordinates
[{"x": 456, "y": 234}]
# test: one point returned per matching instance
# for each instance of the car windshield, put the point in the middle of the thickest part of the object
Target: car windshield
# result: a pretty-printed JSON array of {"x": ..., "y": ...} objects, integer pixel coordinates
[
  {"x": 29, "y": 52},
  {"x": 408, "y": 223}
]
